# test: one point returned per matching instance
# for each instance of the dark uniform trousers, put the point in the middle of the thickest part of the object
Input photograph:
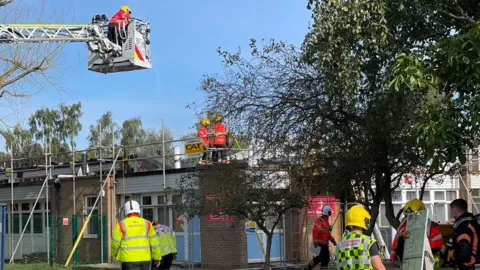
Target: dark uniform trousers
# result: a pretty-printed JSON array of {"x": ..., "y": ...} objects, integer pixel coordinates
[{"x": 135, "y": 266}]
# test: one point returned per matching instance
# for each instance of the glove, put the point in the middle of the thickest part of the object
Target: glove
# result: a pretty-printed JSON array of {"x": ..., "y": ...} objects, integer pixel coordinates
[{"x": 157, "y": 263}]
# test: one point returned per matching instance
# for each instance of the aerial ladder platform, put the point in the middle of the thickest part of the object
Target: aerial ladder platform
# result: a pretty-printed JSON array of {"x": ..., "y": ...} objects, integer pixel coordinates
[{"x": 104, "y": 56}]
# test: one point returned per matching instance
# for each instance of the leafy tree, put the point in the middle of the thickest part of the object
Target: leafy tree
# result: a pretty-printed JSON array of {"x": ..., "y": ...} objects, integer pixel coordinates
[
  {"x": 57, "y": 128},
  {"x": 260, "y": 194},
  {"x": 331, "y": 103},
  {"x": 105, "y": 134},
  {"x": 25, "y": 150}
]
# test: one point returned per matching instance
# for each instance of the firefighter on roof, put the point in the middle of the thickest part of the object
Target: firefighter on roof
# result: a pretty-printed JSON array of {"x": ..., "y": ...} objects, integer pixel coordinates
[
  {"x": 461, "y": 248},
  {"x": 321, "y": 238},
  {"x": 134, "y": 241},
  {"x": 117, "y": 24},
  {"x": 433, "y": 232},
  {"x": 357, "y": 250},
  {"x": 203, "y": 134},
  {"x": 220, "y": 140}
]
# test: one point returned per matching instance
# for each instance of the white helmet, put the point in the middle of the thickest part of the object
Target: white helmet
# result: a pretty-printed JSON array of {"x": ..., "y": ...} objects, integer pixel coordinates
[
  {"x": 131, "y": 207},
  {"x": 327, "y": 210}
]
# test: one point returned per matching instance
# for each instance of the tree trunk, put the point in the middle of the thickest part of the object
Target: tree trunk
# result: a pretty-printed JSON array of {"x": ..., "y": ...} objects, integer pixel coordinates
[
  {"x": 267, "y": 251},
  {"x": 389, "y": 212}
]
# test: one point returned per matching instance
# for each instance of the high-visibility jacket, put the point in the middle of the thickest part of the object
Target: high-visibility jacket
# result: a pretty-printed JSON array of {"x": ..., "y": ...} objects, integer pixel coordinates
[
  {"x": 167, "y": 239},
  {"x": 135, "y": 240},
  {"x": 434, "y": 236},
  {"x": 321, "y": 232},
  {"x": 353, "y": 252},
  {"x": 220, "y": 131},
  {"x": 203, "y": 133},
  {"x": 120, "y": 18}
]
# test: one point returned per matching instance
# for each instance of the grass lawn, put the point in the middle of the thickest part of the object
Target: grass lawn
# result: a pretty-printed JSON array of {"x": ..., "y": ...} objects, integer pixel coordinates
[{"x": 43, "y": 266}]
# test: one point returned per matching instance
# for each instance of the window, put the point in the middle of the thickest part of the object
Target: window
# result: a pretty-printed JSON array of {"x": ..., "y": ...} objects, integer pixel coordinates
[
  {"x": 37, "y": 223},
  {"x": 426, "y": 196},
  {"x": 147, "y": 212},
  {"x": 397, "y": 196},
  {"x": 178, "y": 221},
  {"x": 146, "y": 200},
  {"x": 440, "y": 212},
  {"x": 92, "y": 229},
  {"x": 25, "y": 206},
  {"x": 411, "y": 195},
  {"x": 451, "y": 195},
  {"x": 16, "y": 223},
  {"x": 439, "y": 195}
]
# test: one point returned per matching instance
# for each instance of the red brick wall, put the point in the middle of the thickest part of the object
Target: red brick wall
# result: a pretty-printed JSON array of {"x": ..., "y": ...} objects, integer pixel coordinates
[{"x": 223, "y": 244}]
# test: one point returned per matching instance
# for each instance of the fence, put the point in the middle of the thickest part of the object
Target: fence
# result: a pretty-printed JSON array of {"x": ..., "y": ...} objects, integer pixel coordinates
[{"x": 65, "y": 230}]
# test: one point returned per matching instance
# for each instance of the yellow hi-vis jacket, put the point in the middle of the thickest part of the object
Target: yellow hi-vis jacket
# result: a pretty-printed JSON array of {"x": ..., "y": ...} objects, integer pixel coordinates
[
  {"x": 168, "y": 241},
  {"x": 135, "y": 240}
]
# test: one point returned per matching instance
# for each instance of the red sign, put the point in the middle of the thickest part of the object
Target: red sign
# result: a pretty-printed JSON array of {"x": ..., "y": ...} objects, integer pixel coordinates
[
  {"x": 219, "y": 218},
  {"x": 65, "y": 221},
  {"x": 316, "y": 203}
]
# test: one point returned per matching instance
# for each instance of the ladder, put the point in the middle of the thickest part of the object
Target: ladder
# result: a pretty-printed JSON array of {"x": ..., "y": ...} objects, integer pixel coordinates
[{"x": 297, "y": 237}]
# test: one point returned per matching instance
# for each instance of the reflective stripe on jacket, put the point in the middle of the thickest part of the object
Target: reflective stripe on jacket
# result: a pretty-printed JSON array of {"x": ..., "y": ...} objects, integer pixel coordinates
[
  {"x": 203, "y": 133},
  {"x": 353, "y": 252},
  {"x": 220, "y": 132},
  {"x": 167, "y": 239},
  {"x": 120, "y": 18},
  {"x": 134, "y": 240},
  {"x": 321, "y": 232}
]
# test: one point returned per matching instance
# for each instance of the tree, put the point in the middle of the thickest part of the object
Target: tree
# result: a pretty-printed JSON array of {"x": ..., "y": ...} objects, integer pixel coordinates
[
  {"x": 330, "y": 105},
  {"x": 131, "y": 135},
  {"x": 25, "y": 150},
  {"x": 57, "y": 128},
  {"x": 105, "y": 134},
  {"x": 25, "y": 67},
  {"x": 260, "y": 194}
]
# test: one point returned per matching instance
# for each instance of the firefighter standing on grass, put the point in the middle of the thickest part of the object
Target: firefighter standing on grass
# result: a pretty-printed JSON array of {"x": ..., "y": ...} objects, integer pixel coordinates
[
  {"x": 321, "y": 238},
  {"x": 433, "y": 232},
  {"x": 135, "y": 242},
  {"x": 168, "y": 245},
  {"x": 357, "y": 250}
]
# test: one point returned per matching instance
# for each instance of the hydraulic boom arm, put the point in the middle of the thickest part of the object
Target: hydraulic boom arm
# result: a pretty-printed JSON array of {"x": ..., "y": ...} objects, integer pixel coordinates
[
  {"x": 19, "y": 33},
  {"x": 104, "y": 55}
]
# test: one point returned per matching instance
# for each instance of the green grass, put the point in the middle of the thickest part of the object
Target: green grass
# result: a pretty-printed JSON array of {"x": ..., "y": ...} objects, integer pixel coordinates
[{"x": 42, "y": 266}]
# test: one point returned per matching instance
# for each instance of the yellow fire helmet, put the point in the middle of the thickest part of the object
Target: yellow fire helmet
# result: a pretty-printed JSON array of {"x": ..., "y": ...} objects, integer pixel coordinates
[
  {"x": 357, "y": 216},
  {"x": 218, "y": 118},
  {"x": 413, "y": 205},
  {"x": 126, "y": 9},
  {"x": 206, "y": 121}
]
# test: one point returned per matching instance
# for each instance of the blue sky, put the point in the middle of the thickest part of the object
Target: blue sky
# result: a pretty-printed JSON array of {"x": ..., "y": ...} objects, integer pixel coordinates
[{"x": 184, "y": 39}]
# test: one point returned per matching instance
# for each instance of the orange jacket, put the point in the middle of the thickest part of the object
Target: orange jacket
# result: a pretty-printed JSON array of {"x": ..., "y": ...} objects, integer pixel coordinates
[
  {"x": 434, "y": 236},
  {"x": 203, "y": 133},
  {"x": 321, "y": 232},
  {"x": 220, "y": 130},
  {"x": 120, "y": 18}
]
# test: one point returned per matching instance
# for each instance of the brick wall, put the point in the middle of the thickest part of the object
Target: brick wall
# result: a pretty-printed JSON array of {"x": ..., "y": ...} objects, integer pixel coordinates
[
  {"x": 88, "y": 248},
  {"x": 223, "y": 244}
]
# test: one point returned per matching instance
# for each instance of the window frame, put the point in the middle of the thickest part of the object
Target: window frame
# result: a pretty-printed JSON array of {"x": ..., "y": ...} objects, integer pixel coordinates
[{"x": 88, "y": 233}]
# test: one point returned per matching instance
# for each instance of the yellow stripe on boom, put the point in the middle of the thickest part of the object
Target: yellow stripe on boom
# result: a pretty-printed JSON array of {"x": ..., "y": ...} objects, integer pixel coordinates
[{"x": 45, "y": 25}]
